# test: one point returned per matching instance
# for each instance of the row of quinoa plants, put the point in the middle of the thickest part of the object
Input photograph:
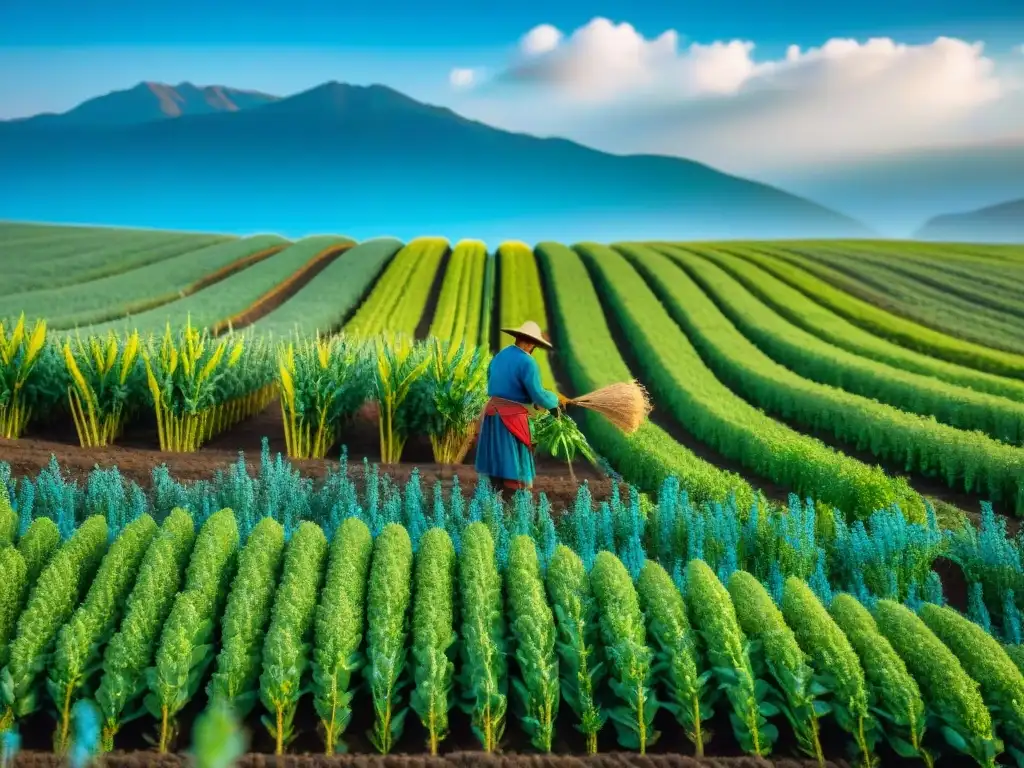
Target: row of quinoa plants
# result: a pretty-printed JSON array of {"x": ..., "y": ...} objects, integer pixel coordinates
[
  {"x": 508, "y": 620},
  {"x": 711, "y": 412},
  {"x": 926, "y": 441},
  {"x": 195, "y": 386},
  {"x": 884, "y": 556}
]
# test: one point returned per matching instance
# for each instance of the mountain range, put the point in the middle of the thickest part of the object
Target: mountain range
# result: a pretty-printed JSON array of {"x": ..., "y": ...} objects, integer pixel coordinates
[
  {"x": 1003, "y": 222},
  {"x": 365, "y": 161}
]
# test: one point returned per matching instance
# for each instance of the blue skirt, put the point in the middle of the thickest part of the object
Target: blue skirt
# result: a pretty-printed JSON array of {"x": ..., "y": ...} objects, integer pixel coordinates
[{"x": 500, "y": 456}]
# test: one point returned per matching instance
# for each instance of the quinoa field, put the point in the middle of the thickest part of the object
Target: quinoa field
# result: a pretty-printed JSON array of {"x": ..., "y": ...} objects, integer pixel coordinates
[{"x": 238, "y": 505}]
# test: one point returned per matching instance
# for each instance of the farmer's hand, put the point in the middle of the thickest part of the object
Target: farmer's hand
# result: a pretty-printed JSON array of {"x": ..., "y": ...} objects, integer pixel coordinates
[{"x": 562, "y": 400}]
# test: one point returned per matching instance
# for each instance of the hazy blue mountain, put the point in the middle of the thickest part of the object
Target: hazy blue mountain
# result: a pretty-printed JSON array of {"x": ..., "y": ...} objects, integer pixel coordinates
[
  {"x": 370, "y": 161},
  {"x": 893, "y": 194},
  {"x": 151, "y": 101},
  {"x": 1003, "y": 223}
]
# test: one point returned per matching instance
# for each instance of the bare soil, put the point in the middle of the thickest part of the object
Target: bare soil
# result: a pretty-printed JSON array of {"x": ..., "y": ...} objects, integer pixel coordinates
[{"x": 137, "y": 454}]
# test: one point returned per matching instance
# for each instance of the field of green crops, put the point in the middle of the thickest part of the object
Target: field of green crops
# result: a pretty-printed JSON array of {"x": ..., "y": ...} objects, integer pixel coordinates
[{"x": 809, "y": 550}]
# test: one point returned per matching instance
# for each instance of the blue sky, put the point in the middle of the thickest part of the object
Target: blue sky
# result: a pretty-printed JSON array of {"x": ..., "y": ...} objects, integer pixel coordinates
[{"x": 63, "y": 51}]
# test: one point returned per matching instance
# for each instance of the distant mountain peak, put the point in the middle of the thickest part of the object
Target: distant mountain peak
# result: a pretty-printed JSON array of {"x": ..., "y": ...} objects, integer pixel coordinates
[
  {"x": 1003, "y": 222},
  {"x": 151, "y": 100}
]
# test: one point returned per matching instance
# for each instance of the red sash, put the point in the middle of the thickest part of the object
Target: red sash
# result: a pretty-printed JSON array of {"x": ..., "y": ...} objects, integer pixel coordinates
[{"x": 514, "y": 416}]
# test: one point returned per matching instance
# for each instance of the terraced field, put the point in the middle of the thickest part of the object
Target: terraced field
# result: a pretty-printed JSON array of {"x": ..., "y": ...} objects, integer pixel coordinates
[{"x": 828, "y": 417}]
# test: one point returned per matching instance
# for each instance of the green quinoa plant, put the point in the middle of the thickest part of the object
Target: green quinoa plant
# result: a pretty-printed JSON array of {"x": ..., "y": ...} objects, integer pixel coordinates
[
  {"x": 677, "y": 658},
  {"x": 983, "y": 658},
  {"x": 834, "y": 661},
  {"x": 484, "y": 674},
  {"x": 286, "y": 650},
  {"x": 130, "y": 651},
  {"x": 533, "y": 631},
  {"x": 776, "y": 647},
  {"x": 51, "y": 602},
  {"x": 895, "y": 697},
  {"x": 951, "y": 697},
  {"x": 713, "y": 615},
  {"x": 246, "y": 616},
  {"x": 185, "y": 650},
  {"x": 339, "y": 630},
  {"x": 81, "y": 640},
  {"x": 578, "y": 641},
  {"x": 625, "y": 638},
  {"x": 387, "y": 647},
  {"x": 433, "y": 631}
]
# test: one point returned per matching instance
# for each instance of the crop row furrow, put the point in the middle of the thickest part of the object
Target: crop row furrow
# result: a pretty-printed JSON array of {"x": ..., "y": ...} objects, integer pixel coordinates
[
  {"x": 399, "y": 298},
  {"x": 708, "y": 409},
  {"x": 591, "y": 360},
  {"x": 970, "y": 460},
  {"x": 885, "y": 324},
  {"x": 805, "y": 313}
]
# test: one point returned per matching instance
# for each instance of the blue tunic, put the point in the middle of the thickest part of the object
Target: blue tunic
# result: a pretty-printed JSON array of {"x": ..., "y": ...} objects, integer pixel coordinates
[{"x": 513, "y": 375}]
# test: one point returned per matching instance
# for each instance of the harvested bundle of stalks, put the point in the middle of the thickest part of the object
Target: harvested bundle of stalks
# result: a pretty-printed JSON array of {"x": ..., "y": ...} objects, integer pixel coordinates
[{"x": 626, "y": 404}]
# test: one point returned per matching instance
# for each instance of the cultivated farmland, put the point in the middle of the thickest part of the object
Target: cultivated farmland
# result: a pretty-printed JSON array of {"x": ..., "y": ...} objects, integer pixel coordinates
[{"x": 809, "y": 552}]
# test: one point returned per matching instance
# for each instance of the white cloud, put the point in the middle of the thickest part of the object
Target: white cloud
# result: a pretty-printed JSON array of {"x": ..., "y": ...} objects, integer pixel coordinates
[
  {"x": 608, "y": 85},
  {"x": 462, "y": 77},
  {"x": 541, "y": 39}
]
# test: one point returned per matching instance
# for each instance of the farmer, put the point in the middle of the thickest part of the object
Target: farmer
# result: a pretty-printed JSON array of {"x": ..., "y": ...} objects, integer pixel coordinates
[{"x": 504, "y": 450}]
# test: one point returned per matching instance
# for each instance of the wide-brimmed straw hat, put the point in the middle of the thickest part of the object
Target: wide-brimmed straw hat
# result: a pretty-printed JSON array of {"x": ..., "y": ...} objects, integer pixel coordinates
[{"x": 529, "y": 331}]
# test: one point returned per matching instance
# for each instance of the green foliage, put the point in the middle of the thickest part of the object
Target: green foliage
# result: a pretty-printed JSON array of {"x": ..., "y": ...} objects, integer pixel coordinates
[
  {"x": 808, "y": 314},
  {"x": 51, "y": 602},
  {"x": 130, "y": 651},
  {"x": 433, "y": 632},
  {"x": 286, "y": 651},
  {"x": 983, "y": 658},
  {"x": 1016, "y": 654},
  {"x": 834, "y": 662},
  {"x": 866, "y": 411},
  {"x": 185, "y": 650},
  {"x": 81, "y": 641},
  {"x": 561, "y": 438},
  {"x": 533, "y": 631},
  {"x": 885, "y": 324},
  {"x": 630, "y": 660},
  {"x": 775, "y": 647},
  {"x": 13, "y": 591},
  {"x": 895, "y": 697},
  {"x": 340, "y": 624},
  {"x": 484, "y": 673},
  {"x": 592, "y": 360},
  {"x": 951, "y": 697},
  {"x": 235, "y": 293},
  {"x": 38, "y": 545},
  {"x": 400, "y": 295},
  {"x": 457, "y": 317},
  {"x": 388, "y": 616},
  {"x": 325, "y": 302},
  {"x": 686, "y": 387},
  {"x": 576, "y": 618},
  {"x": 246, "y": 617},
  {"x": 97, "y": 284},
  {"x": 8, "y": 518},
  {"x": 217, "y": 737},
  {"x": 713, "y": 615},
  {"x": 677, "y": 659}
]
